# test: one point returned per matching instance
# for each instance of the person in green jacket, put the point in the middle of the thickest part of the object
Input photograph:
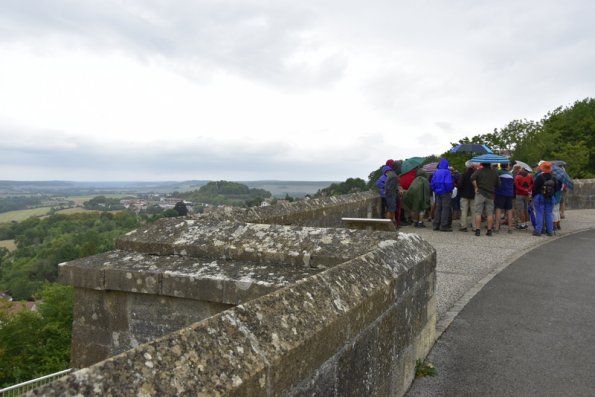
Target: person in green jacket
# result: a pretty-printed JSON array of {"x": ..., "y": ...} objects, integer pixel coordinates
[{"x": 417, "y": 198}]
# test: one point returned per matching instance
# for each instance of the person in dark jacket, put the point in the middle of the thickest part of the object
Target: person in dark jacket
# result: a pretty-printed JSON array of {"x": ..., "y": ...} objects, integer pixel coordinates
[
  {"x": 442, "y": 185},
  {"x": 485, "y": 181},
  {"x": 391, "y": 192},
  {"x": 467, "y": 193},
  {"x": 504, "y": 197},
  {"x": 543, "y": 205}
]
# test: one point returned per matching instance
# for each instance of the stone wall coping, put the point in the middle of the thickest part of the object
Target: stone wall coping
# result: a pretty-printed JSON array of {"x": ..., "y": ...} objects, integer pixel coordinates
[
  {"x": 259, "y": 243},
  {"x": 285, "y": 209},
  {"x": 221, "y": 281},
  {"x": 270, "y": 344}
]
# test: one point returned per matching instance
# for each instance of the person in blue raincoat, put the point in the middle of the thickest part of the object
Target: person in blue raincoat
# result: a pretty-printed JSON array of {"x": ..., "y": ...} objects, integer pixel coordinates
[
  {"x": 380, "y": 185},
  {"x": 442, "y": 185}
]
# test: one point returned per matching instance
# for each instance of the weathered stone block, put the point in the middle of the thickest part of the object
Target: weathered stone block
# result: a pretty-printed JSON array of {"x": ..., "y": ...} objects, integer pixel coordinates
[
  {"x": 142, "y": 281},
  {"x": 322, "y": 384}
]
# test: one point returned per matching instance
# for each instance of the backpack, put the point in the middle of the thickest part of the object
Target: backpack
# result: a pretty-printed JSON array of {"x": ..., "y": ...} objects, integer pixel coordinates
[{"x": 549, "y": 188}]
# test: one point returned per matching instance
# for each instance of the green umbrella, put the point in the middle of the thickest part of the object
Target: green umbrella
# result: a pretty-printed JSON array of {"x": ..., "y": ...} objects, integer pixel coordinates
[{"x": 411, "y": 163}]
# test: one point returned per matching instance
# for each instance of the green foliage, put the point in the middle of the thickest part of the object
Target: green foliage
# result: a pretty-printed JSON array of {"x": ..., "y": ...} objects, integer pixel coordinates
[
  {"x": 564, "y": 134},
  {"x": 170, "y": 213},
  {"x": 34, "y": 344},
  {"x": 456, "y": 160},
  {"x": 423, "y": 368},
  {"x": 14, "y": 203},
  {"x": 102, "y": 203},
  {"x": 44, "y": 243},
  {"x": 351, "y": 185},
  {"x": 570, "y": 132},
  {"x": 226, "y": 193},
  {"x": 506, "y": 139}
]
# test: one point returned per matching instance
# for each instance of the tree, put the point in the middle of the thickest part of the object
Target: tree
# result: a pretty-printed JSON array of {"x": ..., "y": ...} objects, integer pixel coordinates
[
  {"x": 563, "y": 134},
  {"x": 506, "y": 139},
  {"x": 351, "y": 185},
  {"x": 44, "y": 243},
  {"x": 170, "y": 213},
  {"x": 33, "y": 344},
  {"x": 181, "y": 208}
]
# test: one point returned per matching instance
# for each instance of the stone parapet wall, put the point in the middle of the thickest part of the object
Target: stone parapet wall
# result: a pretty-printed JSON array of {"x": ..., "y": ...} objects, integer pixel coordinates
[
  {"x": 322, "y": 212},
  {"x": 259, "y": 301},
  {"x": 181, "y": 263},
  {"x": 353, "y": 329},
  {"x": 582, "y": 196}
]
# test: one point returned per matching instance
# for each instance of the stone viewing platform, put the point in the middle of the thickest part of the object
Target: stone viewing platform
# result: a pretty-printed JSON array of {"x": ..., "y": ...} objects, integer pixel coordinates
[{"x": 276, "y": 301}]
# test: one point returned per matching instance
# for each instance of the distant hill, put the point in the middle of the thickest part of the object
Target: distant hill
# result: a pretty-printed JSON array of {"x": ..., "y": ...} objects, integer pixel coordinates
[{"x": 295, "y": 189}]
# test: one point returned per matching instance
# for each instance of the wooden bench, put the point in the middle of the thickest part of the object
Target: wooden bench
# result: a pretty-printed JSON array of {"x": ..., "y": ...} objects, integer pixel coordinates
[{"x": 370, "y": 224}]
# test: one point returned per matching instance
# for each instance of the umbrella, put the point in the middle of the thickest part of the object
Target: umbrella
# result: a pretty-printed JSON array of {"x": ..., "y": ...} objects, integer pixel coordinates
[
  {"x": 471, "y": 147},
  {"x": 411, "y": 163},
  {"x": 525, "y": 166},
  {"x": 560, "y": 174},
  {"x": 430, "y": 168},
  {"x": 490, "y": 158}
]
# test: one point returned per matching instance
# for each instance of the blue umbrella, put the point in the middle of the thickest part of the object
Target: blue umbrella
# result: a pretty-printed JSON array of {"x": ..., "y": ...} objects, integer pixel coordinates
[
  {"x": 490, "y": 158},
  {"x": 560, "y": 174},
  {"x": 471, "y": 147}
]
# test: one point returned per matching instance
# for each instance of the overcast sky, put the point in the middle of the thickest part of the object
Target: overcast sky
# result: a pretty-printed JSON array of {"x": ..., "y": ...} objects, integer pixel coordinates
[{"x": 291, "y": 90}]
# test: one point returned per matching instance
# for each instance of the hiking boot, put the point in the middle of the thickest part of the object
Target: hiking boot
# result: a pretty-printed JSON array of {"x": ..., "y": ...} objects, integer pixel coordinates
[
  {"x": 436, "y": 228},
  {"x": 416, "y": 224},
  {"x": 536, "y": 234},
  {"x": 446, "y": 229},
  {"x": 558, "y": 226},
  {"x": 477, "y": 232},
  {"x": 550, "y": 234},
  {"x": 463, "y": 229},
  {"x": 421, "y": 224},
  {"x": 509, "y": 231},
  {"x": 489, "y": 232}
]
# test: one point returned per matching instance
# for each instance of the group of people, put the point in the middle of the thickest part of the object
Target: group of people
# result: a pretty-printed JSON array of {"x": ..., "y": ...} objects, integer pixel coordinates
[{"x": 491, "y": 192}]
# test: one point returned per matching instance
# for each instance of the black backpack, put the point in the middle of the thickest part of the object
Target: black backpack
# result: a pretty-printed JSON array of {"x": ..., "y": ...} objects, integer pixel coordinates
[{"x": 549, "y": 188}]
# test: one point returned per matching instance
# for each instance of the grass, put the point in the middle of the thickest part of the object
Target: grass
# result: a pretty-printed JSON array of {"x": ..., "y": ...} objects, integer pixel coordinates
[{"x": 423, "y": 368}]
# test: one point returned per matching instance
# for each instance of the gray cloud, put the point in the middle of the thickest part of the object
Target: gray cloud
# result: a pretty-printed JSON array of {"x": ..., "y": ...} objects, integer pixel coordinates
[
  {"x": 71, "y": 158},
  {"x": 256, "y": 40}
]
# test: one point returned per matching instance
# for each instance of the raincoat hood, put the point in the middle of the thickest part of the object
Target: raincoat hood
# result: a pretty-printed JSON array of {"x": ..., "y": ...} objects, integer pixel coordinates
[
  {"x": 385, "y": 169},
  {"x": 443, "y": 164}
]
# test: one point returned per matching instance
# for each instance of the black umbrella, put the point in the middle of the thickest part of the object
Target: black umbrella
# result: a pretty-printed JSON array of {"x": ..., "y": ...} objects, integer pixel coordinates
[{"x": 471, "y": 147}]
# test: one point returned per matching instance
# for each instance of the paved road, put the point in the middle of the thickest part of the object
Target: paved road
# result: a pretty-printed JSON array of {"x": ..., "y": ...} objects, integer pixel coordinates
[{"x": 530, "y": 331}]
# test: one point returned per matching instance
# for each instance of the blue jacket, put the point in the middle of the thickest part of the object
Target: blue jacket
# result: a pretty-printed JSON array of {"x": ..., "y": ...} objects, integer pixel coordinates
[
  {"x": 506, "y": 188},
  {"x": 442, "y": 179},
  {"x": 382, "y": 180}
]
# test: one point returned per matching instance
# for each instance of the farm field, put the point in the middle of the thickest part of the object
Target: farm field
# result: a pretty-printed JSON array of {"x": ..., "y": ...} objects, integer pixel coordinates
[
  {"x": 8, "y": 244},
  {"x": 80, "y": 200},
  {"x": 21, "y": 215},
  {"x": 76, "y": 210}
]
